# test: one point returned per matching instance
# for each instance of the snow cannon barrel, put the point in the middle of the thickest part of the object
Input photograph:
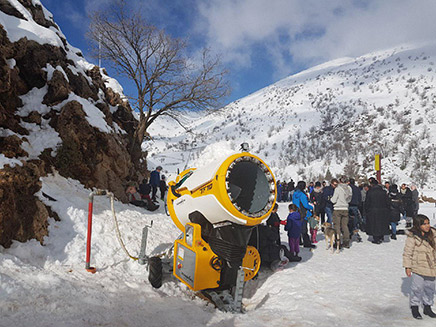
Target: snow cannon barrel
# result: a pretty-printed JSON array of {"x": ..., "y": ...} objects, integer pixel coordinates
[{"x": 239, "y": 189}]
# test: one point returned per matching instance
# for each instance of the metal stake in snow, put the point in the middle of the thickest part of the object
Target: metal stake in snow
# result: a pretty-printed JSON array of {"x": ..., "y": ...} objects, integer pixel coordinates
[
  {"x": 117, "y": 230},
  {"x": 88, "y": 240}
]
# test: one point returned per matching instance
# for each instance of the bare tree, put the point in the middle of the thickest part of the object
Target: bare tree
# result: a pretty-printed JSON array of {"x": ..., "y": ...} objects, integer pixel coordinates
[{"x": 166, "y": 79}]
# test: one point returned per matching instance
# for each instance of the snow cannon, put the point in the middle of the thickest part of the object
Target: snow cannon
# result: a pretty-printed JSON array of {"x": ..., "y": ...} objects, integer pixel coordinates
[{"x": 216, "y": 207}]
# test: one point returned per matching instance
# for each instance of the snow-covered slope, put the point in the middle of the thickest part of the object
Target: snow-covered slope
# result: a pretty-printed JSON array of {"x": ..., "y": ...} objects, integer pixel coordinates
[
  {"x": 333, "y": 117},
  {"x": 48, "y": 285}
]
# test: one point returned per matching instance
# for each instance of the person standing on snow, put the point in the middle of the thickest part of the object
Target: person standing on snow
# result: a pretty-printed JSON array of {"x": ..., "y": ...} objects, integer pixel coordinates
[
  {"x": 364, "y": 190},
  {"x": 274, "y": 223},
  {"x": 415, "y": 199},
  {"x": 377, "y": 208},
  {"x": 285, "y": 191},
  {"x": 353, "y": 210},
  {"x": 317, "y": 198},
  {"x": 155, "y": 181},
  {"x": 279, "y": 191},
  {"x": 327, "y": 194},
  {"x": 408, "y": 205},
  {"x": 163, "y": 187},
  {"x": 340, "y": 199},
  {"x": 310, "y": 187},
  {"x": 293, "y": 227},
  {"x": 300, "y": 199},
  {"x": 419, "y": 261},
  {"x": 396, "y": 209}
]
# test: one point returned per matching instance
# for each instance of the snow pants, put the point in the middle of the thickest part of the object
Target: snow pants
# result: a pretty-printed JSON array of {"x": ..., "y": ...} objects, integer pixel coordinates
[
  {"x": 294, "y": 245},
  {"x": 340, "y": 222},
  {"x": 422, "y": 290}
]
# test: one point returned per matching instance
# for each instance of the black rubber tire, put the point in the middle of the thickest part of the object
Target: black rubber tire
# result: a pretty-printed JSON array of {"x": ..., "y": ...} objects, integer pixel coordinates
[{"x": 155, "y": 271}]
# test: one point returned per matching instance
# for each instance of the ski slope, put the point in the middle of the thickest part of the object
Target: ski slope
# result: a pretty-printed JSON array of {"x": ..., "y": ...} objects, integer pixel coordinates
[{"x": 48, "y": 285}]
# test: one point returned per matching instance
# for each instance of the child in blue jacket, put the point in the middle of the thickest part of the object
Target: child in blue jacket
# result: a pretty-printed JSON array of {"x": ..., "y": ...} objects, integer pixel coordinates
[{"x": 293, "y": 227}]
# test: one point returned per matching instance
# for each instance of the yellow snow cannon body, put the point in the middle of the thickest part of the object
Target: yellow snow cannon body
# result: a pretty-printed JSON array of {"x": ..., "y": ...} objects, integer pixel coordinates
[{"x": 216, "y": 207}]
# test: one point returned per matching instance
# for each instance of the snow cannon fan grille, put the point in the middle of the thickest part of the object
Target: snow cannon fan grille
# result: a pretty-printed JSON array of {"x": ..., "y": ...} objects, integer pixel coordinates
[{"x": 250, "y": 186}]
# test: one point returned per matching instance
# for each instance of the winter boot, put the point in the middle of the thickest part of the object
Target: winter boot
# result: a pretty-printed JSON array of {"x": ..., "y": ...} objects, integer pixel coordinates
[
  {"x": 295, "y": 258},
  {"x": 393, "y": 237},
  {"x": 429, "y": 312},
  {"x": 415, "y": 312}
]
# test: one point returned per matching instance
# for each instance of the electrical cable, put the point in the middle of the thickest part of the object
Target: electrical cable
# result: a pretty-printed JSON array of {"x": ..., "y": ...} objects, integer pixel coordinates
[{"x": 117, "y": 229}]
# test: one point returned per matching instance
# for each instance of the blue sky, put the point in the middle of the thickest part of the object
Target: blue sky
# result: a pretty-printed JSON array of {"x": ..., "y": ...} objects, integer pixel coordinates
[{"x": 263, "y": 41}]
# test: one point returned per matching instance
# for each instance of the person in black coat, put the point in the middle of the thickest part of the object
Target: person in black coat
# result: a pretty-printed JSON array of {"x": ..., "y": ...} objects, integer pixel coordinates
[
  {"x": 154, "y": 182},
  {"x": 396, "y": 209},
  {"x": 408, "y": 205},
  {"x": 317, "y": 198},
  {"x": 355, "y": 218},
  {"x": 327, "y": 194},
  {"x": 163, "y": 187},
  {"x": 377, "y": 206},
  {"x": 264, "y": 238},
  {"x": 274, "y": 223},
  {"x": 145, "y": 189}
]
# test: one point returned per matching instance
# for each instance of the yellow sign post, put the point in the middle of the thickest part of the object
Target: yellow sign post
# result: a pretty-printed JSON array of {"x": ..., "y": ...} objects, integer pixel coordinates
[{"x": 378, "y": 167}]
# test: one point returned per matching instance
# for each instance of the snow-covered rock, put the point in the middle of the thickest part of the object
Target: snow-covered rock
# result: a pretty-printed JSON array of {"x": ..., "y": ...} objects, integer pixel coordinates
[{"x": 57, "y": 111}]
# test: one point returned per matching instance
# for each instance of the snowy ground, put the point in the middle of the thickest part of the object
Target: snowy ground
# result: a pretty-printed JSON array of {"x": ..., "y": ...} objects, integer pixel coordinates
[{"x": 48, "y": 285}]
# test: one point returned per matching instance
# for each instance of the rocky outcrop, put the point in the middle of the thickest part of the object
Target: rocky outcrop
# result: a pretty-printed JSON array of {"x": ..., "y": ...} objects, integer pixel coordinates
[
  {"x": 95, "y": 156},
  {"x": 22, "y": 215}
]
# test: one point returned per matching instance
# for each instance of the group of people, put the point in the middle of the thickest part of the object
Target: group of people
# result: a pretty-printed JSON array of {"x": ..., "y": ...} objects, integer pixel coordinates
[
  {"x": 349, "y": 208},
  {"x": 284, "y": 190},
  {"x": 141, "y": 196},
  {"x": 372, "y": 208}
]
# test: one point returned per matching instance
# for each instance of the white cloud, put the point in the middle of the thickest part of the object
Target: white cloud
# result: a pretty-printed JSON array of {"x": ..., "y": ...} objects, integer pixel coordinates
[{"x": 312, "y": 30}]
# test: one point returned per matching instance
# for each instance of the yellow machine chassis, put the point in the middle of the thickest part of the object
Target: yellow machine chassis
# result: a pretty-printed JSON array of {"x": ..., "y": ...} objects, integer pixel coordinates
[{"x": 193, "y": 261}]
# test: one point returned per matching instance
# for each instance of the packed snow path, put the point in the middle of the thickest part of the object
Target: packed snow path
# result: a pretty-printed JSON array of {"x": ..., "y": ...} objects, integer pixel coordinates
[{"x": 48, "y": 285}]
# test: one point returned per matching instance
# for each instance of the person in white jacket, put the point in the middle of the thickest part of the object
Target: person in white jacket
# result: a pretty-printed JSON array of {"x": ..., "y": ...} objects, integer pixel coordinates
[{"x": 340, "y": 199}]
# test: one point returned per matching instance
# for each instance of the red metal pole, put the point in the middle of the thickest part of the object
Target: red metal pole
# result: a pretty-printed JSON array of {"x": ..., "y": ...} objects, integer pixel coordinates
[
  {"x": 378, "y": 176},
  {"x": 88, "y": 240}
]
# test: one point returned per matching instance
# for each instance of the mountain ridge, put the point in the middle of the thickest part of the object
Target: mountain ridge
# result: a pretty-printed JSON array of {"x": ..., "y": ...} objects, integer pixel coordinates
[{"x": 332, "y": 117}]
